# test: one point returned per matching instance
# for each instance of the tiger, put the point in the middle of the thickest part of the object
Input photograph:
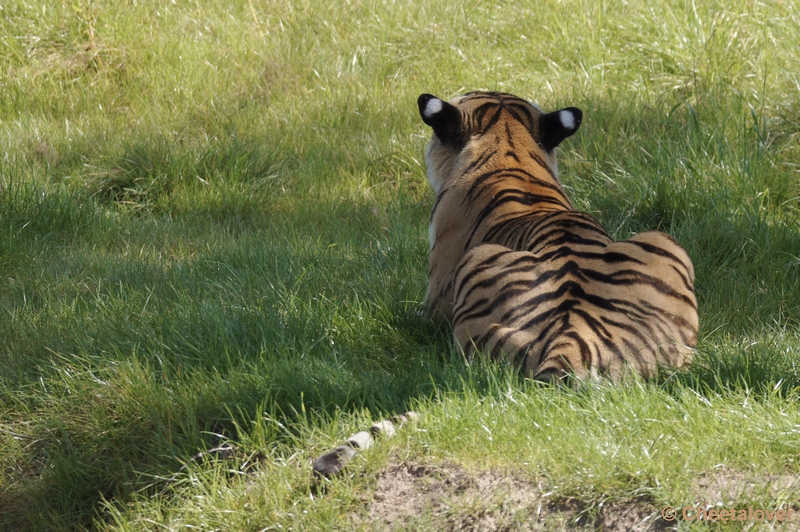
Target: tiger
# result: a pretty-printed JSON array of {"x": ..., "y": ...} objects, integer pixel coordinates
[
  {"x": 524, "y": 277},
  {"x": 333, "y": 462}
]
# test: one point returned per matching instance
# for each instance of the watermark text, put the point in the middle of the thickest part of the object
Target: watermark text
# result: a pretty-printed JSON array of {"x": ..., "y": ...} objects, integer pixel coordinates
[{"x": 715, "y": 514}]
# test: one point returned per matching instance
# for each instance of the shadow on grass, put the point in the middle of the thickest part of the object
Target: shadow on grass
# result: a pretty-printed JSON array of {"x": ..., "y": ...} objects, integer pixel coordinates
[
  {"x": 136, "y": 433},
  {"x": 764, "y": 367}
]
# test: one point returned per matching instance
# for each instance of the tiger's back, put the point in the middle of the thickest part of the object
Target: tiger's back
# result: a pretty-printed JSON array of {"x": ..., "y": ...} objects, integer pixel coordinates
[{"x": 521, "y": 274}]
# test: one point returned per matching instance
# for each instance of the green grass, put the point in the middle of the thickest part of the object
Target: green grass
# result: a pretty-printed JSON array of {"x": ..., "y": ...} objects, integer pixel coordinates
[{"x": 213, "y": 231}]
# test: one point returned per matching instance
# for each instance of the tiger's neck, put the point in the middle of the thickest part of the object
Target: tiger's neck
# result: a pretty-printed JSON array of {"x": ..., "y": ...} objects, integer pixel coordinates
[
  {"x": 501, "y": 179},
  {"x": 504, "y": 175}
]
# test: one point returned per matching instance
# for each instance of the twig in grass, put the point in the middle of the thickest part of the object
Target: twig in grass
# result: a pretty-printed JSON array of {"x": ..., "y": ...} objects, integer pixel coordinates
[
  {"x": 92, "y": 43},
  {"x": 14, "y": 434},
  {"x": 253, "y": 11},
  {"x": 226, "y": 450}
]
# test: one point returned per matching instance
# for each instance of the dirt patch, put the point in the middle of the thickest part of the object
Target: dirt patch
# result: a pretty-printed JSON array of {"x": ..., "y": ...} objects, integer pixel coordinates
[
  {"x": 723, "y": 486},
  {"x": 413, "y": 496},
  {"x": 420, "y": 497}
]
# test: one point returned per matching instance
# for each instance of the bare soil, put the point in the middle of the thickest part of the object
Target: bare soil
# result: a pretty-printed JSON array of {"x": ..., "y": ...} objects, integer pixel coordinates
[
  {"x": 447, "y": 497},
  {"x": 723, "y": 486},
  {"x": 422, "y": 497}
]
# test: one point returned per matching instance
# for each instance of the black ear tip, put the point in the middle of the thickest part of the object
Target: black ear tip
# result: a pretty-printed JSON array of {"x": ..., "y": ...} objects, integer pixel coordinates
[
  {"x": 570, "y": 118},
  {"x": 423, "y": 99},
  {"x": 558, "y": 125},
  {"x": 422, "y": 102},
  {"x": 578, "y": 115},
  {"x": 429, "y": 106}
]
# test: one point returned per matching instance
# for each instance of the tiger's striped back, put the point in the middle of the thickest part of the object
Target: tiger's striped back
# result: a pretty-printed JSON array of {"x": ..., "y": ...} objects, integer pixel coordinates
[{"x": 523, "y": 275}]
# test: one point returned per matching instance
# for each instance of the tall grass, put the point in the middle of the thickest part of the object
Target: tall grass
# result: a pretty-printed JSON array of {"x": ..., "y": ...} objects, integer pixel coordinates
[{"x": 213, "y": 234}]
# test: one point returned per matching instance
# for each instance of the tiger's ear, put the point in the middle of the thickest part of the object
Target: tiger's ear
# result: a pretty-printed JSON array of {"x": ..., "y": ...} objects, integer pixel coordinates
[
  {"x": 444, "y": 118},
  {"x": 558, "y": 125}
]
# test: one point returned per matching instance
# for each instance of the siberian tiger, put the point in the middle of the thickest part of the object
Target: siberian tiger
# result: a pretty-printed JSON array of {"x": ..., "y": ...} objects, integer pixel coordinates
[{"x": 522, "y": 275}]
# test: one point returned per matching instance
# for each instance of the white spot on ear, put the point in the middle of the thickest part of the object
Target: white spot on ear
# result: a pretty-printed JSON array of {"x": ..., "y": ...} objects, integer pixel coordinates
[
  {"x": 567, "y": 119},
  {"x": 433, "y": 106},
  {"x": 432, "y": 234}
]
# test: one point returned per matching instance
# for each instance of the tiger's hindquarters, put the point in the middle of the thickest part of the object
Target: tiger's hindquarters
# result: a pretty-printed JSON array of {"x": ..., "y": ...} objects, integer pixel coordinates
[{"x": 566, "y": 359}]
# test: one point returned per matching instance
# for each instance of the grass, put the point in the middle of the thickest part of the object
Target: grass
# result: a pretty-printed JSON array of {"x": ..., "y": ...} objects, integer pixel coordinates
[{"x": 213, "y": 224}]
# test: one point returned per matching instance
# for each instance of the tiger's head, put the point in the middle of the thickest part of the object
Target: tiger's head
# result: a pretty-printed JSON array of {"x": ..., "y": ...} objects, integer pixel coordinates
[{"x": 471, "y": 117}]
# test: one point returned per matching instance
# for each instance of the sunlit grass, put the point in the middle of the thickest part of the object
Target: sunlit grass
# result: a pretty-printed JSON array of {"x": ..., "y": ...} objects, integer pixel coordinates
[{"x": 213, "y": 233}]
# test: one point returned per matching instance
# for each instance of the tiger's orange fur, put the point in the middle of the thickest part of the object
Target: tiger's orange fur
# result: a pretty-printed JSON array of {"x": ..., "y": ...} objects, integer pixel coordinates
[{"x": 521, "y": 274}]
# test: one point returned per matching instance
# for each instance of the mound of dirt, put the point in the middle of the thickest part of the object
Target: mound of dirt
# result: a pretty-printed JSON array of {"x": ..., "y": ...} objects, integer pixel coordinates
[
  {"x": 722, "y": 486},
  {"x": 448, "y": 497}
]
